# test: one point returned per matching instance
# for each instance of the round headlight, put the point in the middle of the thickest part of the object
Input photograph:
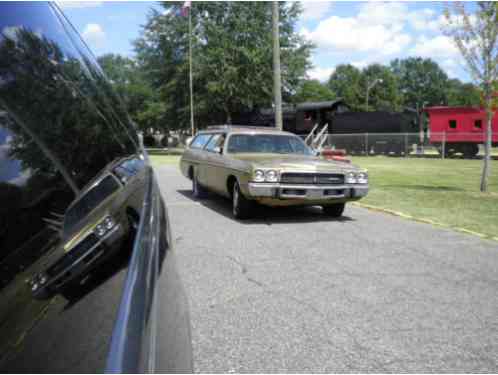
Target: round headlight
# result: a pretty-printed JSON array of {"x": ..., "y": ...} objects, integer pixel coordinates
[
  {"x": 351, "y": 178},
  {"x": 100, "y": 230},
  {"x": 271, "y": 176},
  {"x": 108, "y": 222},
  {"x": 259, "y": 175},
  {"x": 362, "y": 178}
]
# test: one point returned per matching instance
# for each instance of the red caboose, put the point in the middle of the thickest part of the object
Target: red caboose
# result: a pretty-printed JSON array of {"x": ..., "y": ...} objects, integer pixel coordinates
[{"x": 461, "y": 129}]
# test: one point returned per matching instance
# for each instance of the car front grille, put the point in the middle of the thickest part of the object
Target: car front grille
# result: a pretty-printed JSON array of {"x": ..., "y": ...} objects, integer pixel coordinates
[
  {"x": 312, "y": 178},
  {"x": 74, "y": 254}
]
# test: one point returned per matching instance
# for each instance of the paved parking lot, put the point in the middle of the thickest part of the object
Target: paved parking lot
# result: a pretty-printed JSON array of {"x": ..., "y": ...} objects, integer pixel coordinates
[{"x": 294, "y": 291}]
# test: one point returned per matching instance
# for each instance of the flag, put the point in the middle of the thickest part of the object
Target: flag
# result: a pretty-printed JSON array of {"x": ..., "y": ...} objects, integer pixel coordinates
[{"x": 186, "y": 8}]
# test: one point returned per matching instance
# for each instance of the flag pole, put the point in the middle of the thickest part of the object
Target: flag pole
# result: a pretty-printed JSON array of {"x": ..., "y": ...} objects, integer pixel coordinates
[{"x": 190, "y": 69}]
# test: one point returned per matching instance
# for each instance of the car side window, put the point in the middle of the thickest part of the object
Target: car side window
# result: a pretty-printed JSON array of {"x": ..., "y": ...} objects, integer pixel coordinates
[
  {"x": 200, "y": 141},
  {"x": 216, "y": 141}
]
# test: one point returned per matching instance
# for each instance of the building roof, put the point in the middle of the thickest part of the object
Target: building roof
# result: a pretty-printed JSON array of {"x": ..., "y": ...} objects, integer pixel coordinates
[{"x": 309, "y": 106}]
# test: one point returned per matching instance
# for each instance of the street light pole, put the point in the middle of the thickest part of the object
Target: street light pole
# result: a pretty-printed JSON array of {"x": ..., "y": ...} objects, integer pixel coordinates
[
  {"x": 277, "y": 84},
  {"x": 371, "y": 86}
]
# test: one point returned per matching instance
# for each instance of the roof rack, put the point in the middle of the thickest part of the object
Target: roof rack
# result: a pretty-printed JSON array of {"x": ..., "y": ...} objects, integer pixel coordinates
[{"x": 226, "y": 126}]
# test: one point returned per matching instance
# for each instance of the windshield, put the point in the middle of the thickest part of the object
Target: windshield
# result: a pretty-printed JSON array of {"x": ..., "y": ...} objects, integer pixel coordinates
[
  {"x": 267, "y": 143},
  {"x": 90, "y": 201}
]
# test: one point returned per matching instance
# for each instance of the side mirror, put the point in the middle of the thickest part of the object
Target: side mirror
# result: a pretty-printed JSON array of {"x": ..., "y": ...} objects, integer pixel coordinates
[{"x": 218, "y": 150}]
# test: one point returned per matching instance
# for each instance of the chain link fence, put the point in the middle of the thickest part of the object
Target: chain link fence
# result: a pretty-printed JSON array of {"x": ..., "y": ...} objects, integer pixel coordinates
[{"x": 436, "y": 145}]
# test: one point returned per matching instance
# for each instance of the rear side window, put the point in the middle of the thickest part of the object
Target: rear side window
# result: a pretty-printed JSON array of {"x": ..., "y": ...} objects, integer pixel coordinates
[
  {"x": 200, "y": 141},
  {"x": 216, "y": 141}
]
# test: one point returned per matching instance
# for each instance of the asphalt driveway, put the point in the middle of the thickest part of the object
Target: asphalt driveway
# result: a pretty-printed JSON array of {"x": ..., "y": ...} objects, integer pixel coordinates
[{"x": 294, "y": 291}]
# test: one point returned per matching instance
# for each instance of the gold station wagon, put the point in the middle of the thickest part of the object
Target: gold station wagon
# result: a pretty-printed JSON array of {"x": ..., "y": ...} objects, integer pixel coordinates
[{"x": 270, "y": 167}]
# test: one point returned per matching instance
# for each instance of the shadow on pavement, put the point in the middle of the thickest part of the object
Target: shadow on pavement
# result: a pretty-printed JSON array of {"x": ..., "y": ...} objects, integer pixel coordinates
[{"x": 263, "y": 214}]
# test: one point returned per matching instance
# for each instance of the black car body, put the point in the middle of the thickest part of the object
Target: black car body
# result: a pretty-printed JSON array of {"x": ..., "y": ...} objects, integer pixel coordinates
[{"x": 62, "y": 131}]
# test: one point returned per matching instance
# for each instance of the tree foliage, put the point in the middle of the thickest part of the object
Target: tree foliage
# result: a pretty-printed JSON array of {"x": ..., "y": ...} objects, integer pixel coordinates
[
  {"x": 386, "y": 94},
  {"x": 232, "y": 58},
  {"x": 345, "y": 81},
  {"x": 421, "y": 82},
  {"x": 313, "y": 91}
]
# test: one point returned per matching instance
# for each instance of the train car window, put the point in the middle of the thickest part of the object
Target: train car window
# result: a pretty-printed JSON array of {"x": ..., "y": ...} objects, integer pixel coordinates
[
  {"x": 478, "y": 124},
  {"x": 452, "y": 124}
]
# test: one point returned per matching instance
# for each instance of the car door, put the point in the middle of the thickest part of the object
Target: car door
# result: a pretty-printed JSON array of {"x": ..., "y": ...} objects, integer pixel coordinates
[
  {"x": 215, "y": 164},
  {"x": 196, "y": 156}
]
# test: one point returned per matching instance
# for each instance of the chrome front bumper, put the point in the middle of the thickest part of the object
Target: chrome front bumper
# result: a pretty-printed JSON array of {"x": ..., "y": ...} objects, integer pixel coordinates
[{"x": 306, "y": 192}]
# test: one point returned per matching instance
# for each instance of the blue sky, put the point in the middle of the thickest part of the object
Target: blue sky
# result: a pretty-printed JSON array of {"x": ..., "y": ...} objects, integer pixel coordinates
[{"x": 359, "y": 33}]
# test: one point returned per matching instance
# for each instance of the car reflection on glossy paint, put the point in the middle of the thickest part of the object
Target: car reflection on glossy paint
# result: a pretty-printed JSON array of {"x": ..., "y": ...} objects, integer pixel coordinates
[{"x": 95, "y": 226}]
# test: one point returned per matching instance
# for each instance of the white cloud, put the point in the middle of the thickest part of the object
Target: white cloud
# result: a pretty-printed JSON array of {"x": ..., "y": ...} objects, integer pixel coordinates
[
  {"x": 321, "y": 74},
  {"x": 78, "y": 4},
  {"x": 315, "y": 10},
  {"x": 438, "y": 47},
  {"x": 378, "y": 27},
  {"x": 94, "y": 35},
  {"x": 391, "y": 15}
]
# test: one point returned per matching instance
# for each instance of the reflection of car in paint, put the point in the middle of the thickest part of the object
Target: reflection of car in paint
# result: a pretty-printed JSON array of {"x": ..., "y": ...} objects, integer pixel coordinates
[{"x": 95, "y": 226}]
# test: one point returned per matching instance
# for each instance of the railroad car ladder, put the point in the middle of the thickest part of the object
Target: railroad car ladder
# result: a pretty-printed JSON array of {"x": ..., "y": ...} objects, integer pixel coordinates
[{"x": 316, "y": 141}]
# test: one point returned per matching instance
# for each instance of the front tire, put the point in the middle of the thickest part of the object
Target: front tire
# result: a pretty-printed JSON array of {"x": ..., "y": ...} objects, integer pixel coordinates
[
  {"x": 241, "y": 207},
  {"x": 334, "y": 210}
]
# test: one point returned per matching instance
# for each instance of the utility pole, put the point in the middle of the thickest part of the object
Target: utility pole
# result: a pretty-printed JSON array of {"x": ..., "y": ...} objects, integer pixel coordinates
[
  {"x": 277, "y": 84},
  {"x": 188, "y": 4}
]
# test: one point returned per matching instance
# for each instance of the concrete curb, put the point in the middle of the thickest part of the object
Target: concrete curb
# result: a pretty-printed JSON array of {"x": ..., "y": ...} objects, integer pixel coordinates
[{"x": 423, "y": 220}]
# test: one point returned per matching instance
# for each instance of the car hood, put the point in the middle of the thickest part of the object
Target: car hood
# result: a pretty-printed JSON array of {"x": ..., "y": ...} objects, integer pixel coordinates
[{"x": 298, "y": 163}]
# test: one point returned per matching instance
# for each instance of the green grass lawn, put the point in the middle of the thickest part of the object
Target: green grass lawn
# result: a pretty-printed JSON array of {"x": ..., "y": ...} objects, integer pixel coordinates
[
  {"x": 158, "y": 160},
  {"x": 443, "y": 191}
]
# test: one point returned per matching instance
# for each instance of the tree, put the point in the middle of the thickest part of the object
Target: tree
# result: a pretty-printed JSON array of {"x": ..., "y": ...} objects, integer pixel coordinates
[
  {"x": 476, "y": 36},
  {"x": 128, "y": 80},
  {"x": 421, "y": 81},
  {"x": 232, "y": 57},
  {"x": 385, "y": 95},
  {"x": 313, "y": 91},
  {"x": 346, "y": 83},
  {"x": 462, "y": 94}
]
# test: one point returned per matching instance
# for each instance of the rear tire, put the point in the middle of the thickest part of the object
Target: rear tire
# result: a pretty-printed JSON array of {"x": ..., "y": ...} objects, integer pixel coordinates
[
  {"x": 241, "y": 207},
  {"x": 198, "y": 191},
  {"x": 334, "y": 210}
]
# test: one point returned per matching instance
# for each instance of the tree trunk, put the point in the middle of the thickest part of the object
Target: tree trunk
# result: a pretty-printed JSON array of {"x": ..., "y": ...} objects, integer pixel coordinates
[{"x": 487, "y": 150}]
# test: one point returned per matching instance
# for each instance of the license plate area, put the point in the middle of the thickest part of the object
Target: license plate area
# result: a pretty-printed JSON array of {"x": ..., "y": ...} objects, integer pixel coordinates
[{"x": 314, "y": 193}]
